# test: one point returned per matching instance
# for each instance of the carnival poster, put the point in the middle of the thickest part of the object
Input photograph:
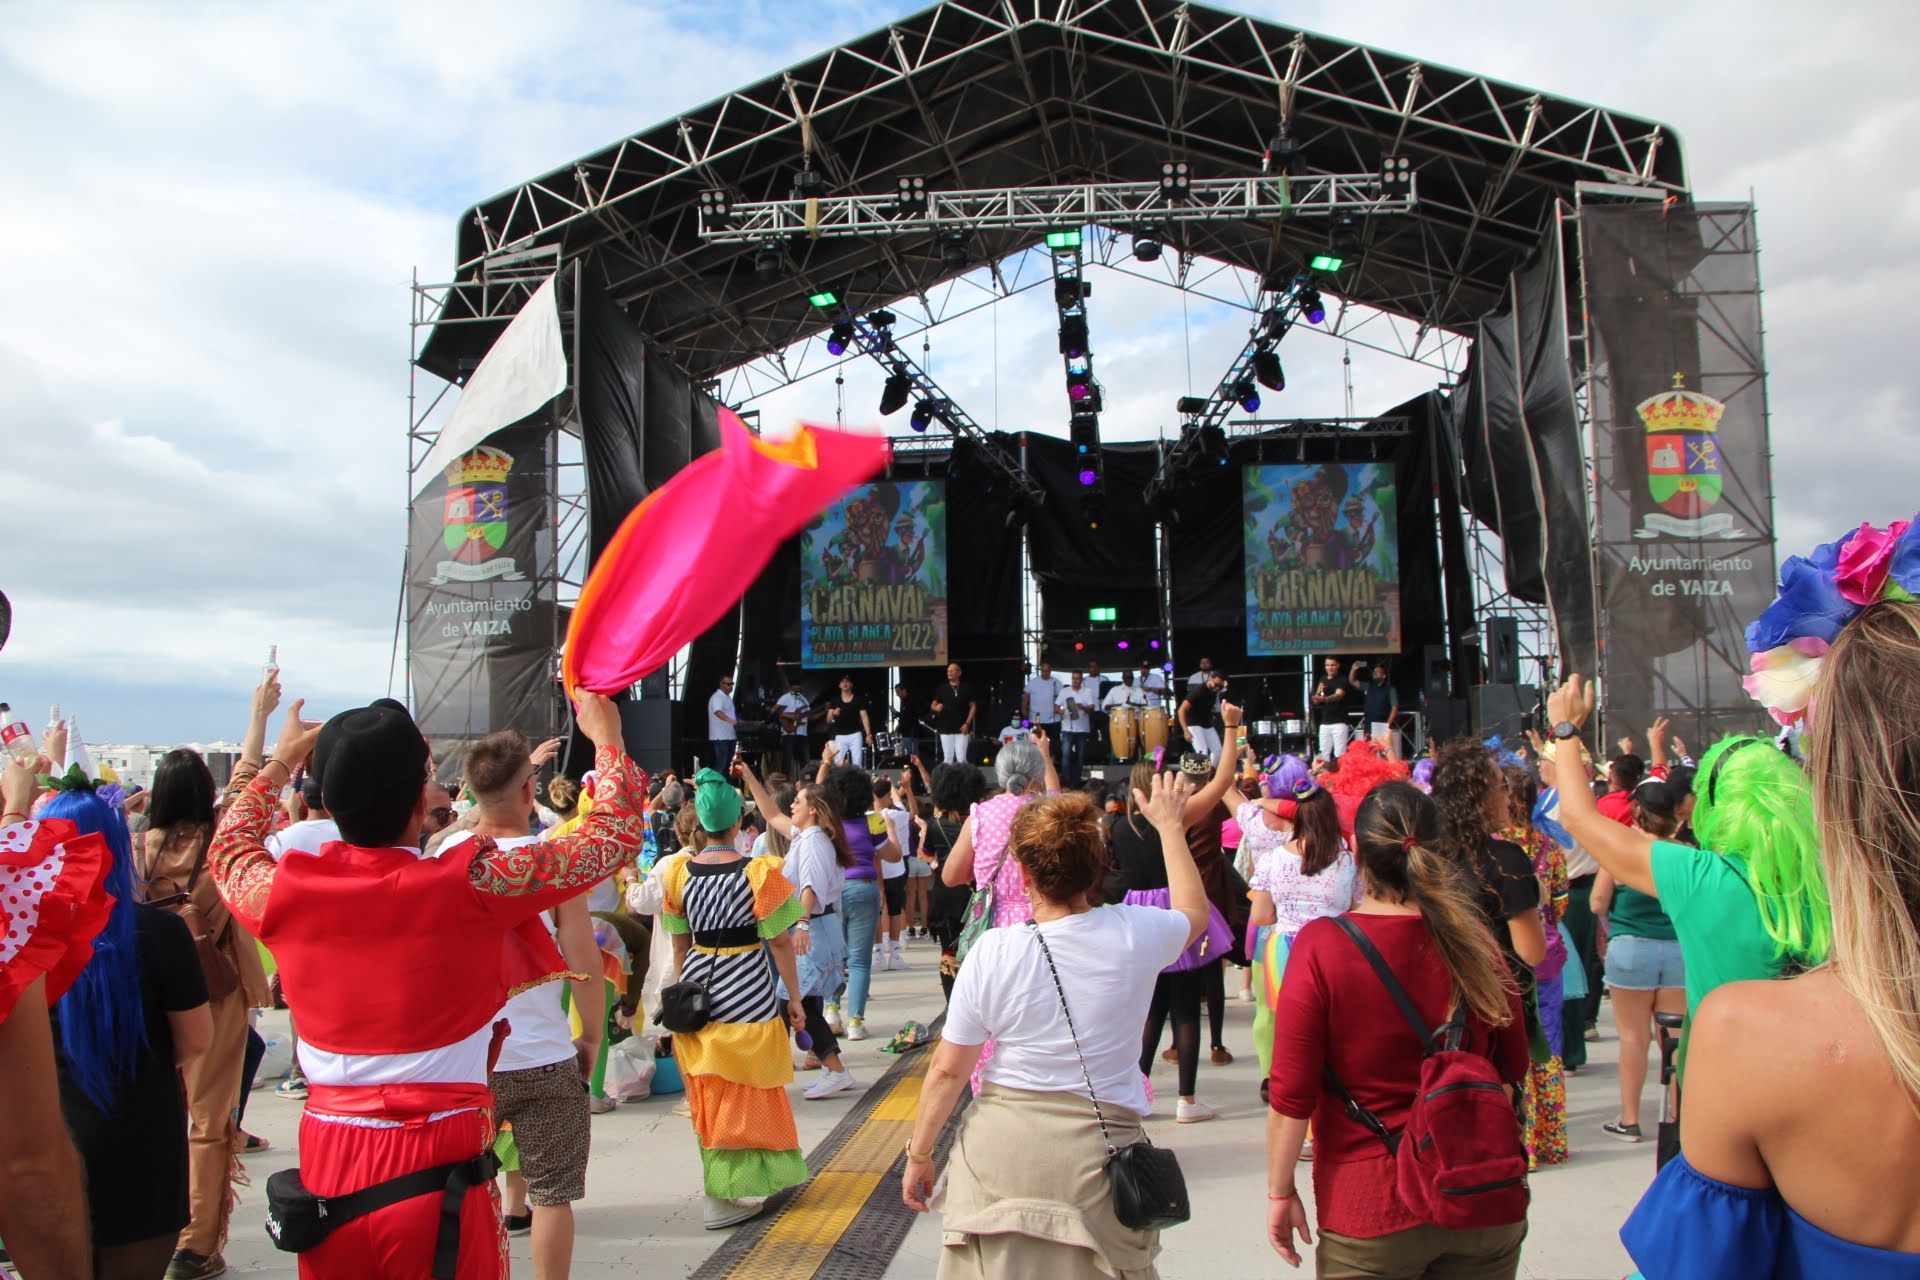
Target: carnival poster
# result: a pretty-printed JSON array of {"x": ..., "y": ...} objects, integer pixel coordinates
[
  {"x": 1323, "y": 559},
  {"x": 873, "y": 578}
]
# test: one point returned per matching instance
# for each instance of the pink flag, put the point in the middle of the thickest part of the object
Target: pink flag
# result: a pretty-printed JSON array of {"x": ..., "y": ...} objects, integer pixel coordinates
[{"x": 690, "y": 550}]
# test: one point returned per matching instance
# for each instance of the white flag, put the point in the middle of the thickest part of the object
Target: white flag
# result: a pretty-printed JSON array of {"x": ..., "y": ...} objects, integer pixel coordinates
[{"x": 526, "y": 368}]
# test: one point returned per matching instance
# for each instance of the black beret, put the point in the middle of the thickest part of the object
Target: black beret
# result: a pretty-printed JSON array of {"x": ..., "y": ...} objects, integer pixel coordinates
[{"x": 368, "y": 757}]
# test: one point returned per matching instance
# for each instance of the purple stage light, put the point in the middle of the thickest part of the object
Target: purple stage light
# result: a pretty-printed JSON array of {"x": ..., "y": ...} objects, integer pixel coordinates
[
  {"x": 1121, "y": 645},
  {"x": 1088, "y": 478},
  {"x": 836, "y": 347},
  {"x": 1316, "y": 314},
  {"x": 1153, "y": 644},
  {"x": 1078, "y": 391}
]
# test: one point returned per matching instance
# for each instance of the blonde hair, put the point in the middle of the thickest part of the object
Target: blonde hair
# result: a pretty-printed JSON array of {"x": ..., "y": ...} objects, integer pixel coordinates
[{"x": 1864, "y": 754}]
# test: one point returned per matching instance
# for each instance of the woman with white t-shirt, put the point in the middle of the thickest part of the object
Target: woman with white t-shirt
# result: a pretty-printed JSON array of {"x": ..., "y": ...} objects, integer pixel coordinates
[
  {"x": 1302, "y": 870},
  {"x": 1062, "y": 997}
]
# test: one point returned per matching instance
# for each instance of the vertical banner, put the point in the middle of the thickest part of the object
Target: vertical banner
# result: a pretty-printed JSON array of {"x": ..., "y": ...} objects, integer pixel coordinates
[
  {"x": 1323, "y": 559},
  {"x": 873, "y": 578},
  {"x": 1684, "y": 537},
  {"x": 481, "y": 625}
]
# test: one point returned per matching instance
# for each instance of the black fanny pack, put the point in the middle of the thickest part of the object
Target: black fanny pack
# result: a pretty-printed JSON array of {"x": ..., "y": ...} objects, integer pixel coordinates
[{"x": 299, "y": 1220}]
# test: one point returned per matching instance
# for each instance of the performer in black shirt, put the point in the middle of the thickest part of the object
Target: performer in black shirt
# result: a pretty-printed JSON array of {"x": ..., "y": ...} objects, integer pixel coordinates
[
  {"x": 850, "y": 723},
  {"x": 1333, "y": 697},
  {"x": 1199, "y": 711},
  {"x": 955, "y": 707}
]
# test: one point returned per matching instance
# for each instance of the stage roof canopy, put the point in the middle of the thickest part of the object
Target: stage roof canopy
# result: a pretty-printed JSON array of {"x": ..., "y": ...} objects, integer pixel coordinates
[{"x": 1041, "y": 93}]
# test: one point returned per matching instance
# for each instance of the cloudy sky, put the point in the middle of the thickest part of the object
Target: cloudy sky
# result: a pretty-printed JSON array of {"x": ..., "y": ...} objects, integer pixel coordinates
[{"x": 213, "y": 212}]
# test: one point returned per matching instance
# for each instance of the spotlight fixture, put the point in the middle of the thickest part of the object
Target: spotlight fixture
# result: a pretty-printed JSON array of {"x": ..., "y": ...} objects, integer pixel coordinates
[
  {"x": 1345, "y": 237},
  {"x": 1396, "y": 171},
  {"x": 1213, "y": 444},
  {"x": 910, "y": 195},
  {"x": 1326, "y": 263},
  {"x": 1070, "y": 291},
  {"x": 1284, "y": 153},
  {"x": 809, "y": 183},
  {"x": 1093, "y": 505},
  {"x": 1147, "y": 243},
  {"x": 1247, "y": 395},
  {"x": 1176, "y": 180},
  {"x": 1089, "y": 477},
  {"x": 882, "y": 319},
  {"x": 1079, "y": 383},
  {"x": 1079, "y": 646},
  {"x": 1154, "y": 643},
  {"x": 715, "y": 205},
  {"x": 1083, "y": 430},
  {"x": 826, "y": 299},
  {"x": 769, "y": 259},
  {"x": 1310, "y": 305},
  {"x": 1122, "y": 644},
  {"x": 1073, "y": 336},
  {"x": 893, "y": 397},
  {"x": 839, "y": 338},
  {"x": 1069, "y": 239},
  {"x": 924, "y": 414},
  {"x": 956, "y": 253},
  {"x": 1267, "y": 370},
  {"x": 1191, "y": 406}
]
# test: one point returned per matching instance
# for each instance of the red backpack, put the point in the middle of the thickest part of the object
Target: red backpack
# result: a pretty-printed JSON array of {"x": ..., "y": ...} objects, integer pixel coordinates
[{"x": 1460, "y": 1161}]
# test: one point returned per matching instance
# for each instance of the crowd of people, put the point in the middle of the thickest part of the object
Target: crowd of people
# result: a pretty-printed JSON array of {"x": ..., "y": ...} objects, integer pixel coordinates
[{"x": 1425, "y": 943}]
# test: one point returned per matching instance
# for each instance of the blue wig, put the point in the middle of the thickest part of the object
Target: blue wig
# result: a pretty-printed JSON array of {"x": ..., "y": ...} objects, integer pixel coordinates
[{"x": 103, "y": 1025}]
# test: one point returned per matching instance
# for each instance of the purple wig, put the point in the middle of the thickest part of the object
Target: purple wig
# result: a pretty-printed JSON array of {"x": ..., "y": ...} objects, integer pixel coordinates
[
  {"x": 1289, "y": 773},
  {"x": 1423, "y": 773}
]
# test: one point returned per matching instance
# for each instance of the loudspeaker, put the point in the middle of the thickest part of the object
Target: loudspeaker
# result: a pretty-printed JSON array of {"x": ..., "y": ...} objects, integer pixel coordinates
[
  {"x": 1503, "y": 650},
  {"x": 1502, "y": 709},
  {"x": 1436, "y": 673},
  {"x": 650, "y": 728}
]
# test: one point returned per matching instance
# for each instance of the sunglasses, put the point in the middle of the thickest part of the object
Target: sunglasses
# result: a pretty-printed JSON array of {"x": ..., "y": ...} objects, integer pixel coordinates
[{"x": 442, "y": 814}]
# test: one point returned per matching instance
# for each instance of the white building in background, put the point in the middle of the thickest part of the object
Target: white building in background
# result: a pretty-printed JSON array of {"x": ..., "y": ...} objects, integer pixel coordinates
[{"x": 135, "y": 763}]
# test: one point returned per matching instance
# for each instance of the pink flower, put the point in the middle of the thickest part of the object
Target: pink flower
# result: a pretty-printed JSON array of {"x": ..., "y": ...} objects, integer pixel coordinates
[
  {"x": 1783, "y": 678},
  {"x": 1864, "y": 561}
]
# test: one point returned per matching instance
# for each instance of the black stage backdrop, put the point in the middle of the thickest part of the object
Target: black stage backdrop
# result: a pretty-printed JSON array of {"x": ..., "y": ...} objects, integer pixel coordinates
[
  {"x": 1209, "y": 556},
  {"x": 1079, "y": 568}
]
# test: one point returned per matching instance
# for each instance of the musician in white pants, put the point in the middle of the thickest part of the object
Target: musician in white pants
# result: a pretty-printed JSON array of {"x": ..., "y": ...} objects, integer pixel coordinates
[
  {"x": 850, "y": 723},
  {"x": 955, "y": 706}
]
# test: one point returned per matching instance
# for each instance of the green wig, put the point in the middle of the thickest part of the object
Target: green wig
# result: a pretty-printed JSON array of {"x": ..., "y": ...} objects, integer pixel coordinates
[{"x": 1755, "y": 805}]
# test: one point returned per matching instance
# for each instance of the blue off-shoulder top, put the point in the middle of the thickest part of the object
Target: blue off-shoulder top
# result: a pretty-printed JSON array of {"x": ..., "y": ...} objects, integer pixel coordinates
[{"x": 1692, "y": 1227}]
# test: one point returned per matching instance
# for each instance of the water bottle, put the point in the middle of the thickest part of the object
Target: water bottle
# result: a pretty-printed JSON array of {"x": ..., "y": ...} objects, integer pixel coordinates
[{"x": 15, "y": 737}]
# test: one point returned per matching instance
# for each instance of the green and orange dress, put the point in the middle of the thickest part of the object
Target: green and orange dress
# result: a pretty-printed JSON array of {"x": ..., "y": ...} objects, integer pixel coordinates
[{"x": 738, "y": 1066}]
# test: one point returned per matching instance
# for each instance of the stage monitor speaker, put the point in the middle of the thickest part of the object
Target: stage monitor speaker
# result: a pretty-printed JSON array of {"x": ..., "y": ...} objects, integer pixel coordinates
[
  {"x": 1436, "y": 673},
  {"x": 651, "y": 732},
  {"x": 1503, "y": 709},
  {"x": 1503, "y": 650},
  {"x": 1446, "y": 720}
]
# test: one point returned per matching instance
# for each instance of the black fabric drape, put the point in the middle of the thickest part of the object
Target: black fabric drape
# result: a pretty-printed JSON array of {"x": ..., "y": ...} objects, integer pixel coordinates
[
  {"x": 1504, "y": 445},
  {"x": 1078, "y": 567},
  {"x": 611, "y": 380}
]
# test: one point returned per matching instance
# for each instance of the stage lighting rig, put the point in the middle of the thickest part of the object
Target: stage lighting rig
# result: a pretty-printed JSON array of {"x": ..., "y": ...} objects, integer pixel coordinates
[
  {"x": 893, "y": 396},
  {"x": 1396, "y": 172},
  {"x": 1073, "y": 337},
  {"x": 769, "y": 259},
  {"x": 809, "y": 183},
  {"x": 1284, "y": 155},
  {"x": 715, "y": 207},
  {"x": 925, "y": 414},
  {"x": 910, "y": 196},
  {"x": 1308, "y": 300},
  {"x": 1176, "y": 180},
  {"x": 1246, "y": 395},
  {"x": 1345, "y": 238},
  {"x": 1191, "y": 406},
  {"x": 839, "y": 338},
  {"x": 1267, "y": 370},
  {"x": 956, "y": 250},
  {"x": 1148, "y": 243}
]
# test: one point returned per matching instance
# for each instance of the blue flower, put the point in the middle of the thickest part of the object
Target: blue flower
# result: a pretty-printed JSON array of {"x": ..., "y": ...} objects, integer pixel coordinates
[
  {"x": 1809, "y": 603},
  {"x": 1904, "y": 568}
]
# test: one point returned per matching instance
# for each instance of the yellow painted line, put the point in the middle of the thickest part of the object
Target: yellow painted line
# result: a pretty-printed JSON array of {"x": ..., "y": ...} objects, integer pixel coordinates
[{"x": 798, "y": 1240}]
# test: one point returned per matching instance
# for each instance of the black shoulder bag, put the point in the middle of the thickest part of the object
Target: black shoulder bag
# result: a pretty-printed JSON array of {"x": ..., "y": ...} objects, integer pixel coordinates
[
  {"x": 1149, "y": 1191},
  {"x": 299, "y": 1220}
]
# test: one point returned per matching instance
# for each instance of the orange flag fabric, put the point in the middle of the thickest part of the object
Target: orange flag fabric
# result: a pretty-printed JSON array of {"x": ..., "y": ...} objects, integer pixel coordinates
[{"x": 690, "y": 550}]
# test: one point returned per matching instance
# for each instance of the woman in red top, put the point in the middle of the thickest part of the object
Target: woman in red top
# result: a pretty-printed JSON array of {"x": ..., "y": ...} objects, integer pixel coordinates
[{"x": 1418, "y": 913}]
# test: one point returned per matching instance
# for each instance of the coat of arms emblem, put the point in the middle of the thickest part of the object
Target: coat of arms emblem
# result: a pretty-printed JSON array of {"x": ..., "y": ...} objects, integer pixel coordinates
[
  {"x": 1683, "y": 463},
  {"x": 476, "y": 519}
]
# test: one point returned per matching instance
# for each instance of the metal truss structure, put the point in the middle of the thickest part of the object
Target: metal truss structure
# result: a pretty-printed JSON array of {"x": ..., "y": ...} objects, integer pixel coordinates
[
  {"x": 979, "y": 95},
  {"x": 1124, "y": 204}
]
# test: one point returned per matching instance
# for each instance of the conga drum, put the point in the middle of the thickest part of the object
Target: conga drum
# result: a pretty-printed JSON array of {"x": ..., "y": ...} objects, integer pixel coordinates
[
  {"x": 1123, "y": 730},
  {"x": 1154, "y": 728}
]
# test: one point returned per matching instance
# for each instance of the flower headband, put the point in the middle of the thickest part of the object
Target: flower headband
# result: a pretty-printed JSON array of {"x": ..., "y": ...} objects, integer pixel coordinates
[{"x": 1819, "y": 594}]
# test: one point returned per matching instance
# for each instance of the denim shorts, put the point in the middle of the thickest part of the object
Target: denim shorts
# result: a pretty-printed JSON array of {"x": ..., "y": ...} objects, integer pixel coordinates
[{"x": 1644, "y": 964}]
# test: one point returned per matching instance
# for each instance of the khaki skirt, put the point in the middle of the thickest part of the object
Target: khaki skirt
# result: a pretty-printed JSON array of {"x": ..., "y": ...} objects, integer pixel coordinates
[{"x": 1027, "y": 1195}]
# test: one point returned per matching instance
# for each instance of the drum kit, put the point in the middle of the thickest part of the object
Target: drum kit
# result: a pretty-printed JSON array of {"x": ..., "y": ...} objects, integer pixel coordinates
[
  {"x": 1279, "y": 737},
  {"x": 891, "y": 751}
]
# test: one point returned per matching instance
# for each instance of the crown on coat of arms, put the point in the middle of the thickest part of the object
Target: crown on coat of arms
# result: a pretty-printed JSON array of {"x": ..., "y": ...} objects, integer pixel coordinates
[
  {"x": 485, "y": 465},
  {"x": 1680, "y": 410}
]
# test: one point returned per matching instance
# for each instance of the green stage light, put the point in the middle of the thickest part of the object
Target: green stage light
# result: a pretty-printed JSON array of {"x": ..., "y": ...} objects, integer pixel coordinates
[
  {"x": 1063, "y": 239},
  {"x": 1100, "y": 613},
  {"x": 1327, "y": 262},
  {"x": 825, "y": 299}
]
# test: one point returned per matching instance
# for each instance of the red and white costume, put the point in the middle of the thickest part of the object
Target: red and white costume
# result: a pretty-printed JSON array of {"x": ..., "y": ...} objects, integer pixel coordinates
[
  {"x": 53, "y": 904},
  {"x": 396, "y": 967}
]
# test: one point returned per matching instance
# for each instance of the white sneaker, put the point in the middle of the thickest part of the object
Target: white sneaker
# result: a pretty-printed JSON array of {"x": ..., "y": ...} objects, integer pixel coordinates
[
  {"x": 1193, "y": 1112},
  {"x": 829, "y": 1083},
  {"x": 834, "y": 1022},
  {"x": 723, "y": 1212},
  {"x": 1246, "y": 995},
  {"x": 899, "y": 957},
  {"x": 856, "y": 1029}
]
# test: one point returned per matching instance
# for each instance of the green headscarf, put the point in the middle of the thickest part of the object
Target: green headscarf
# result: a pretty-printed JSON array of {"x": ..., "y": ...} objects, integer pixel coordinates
[{"x": 715, "y": 800}]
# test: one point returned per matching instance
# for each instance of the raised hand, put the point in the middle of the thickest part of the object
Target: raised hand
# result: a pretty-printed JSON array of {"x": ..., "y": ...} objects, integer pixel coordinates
[
  {"x": 1571, "y": 702},
  {"x": 296, "y": 738},
  {"x": 546, "y": 751},
  {"x": 1166, "y": 806},
  {"x": 1230, "y": 714},
  {"x": 598, "y": 718}
]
